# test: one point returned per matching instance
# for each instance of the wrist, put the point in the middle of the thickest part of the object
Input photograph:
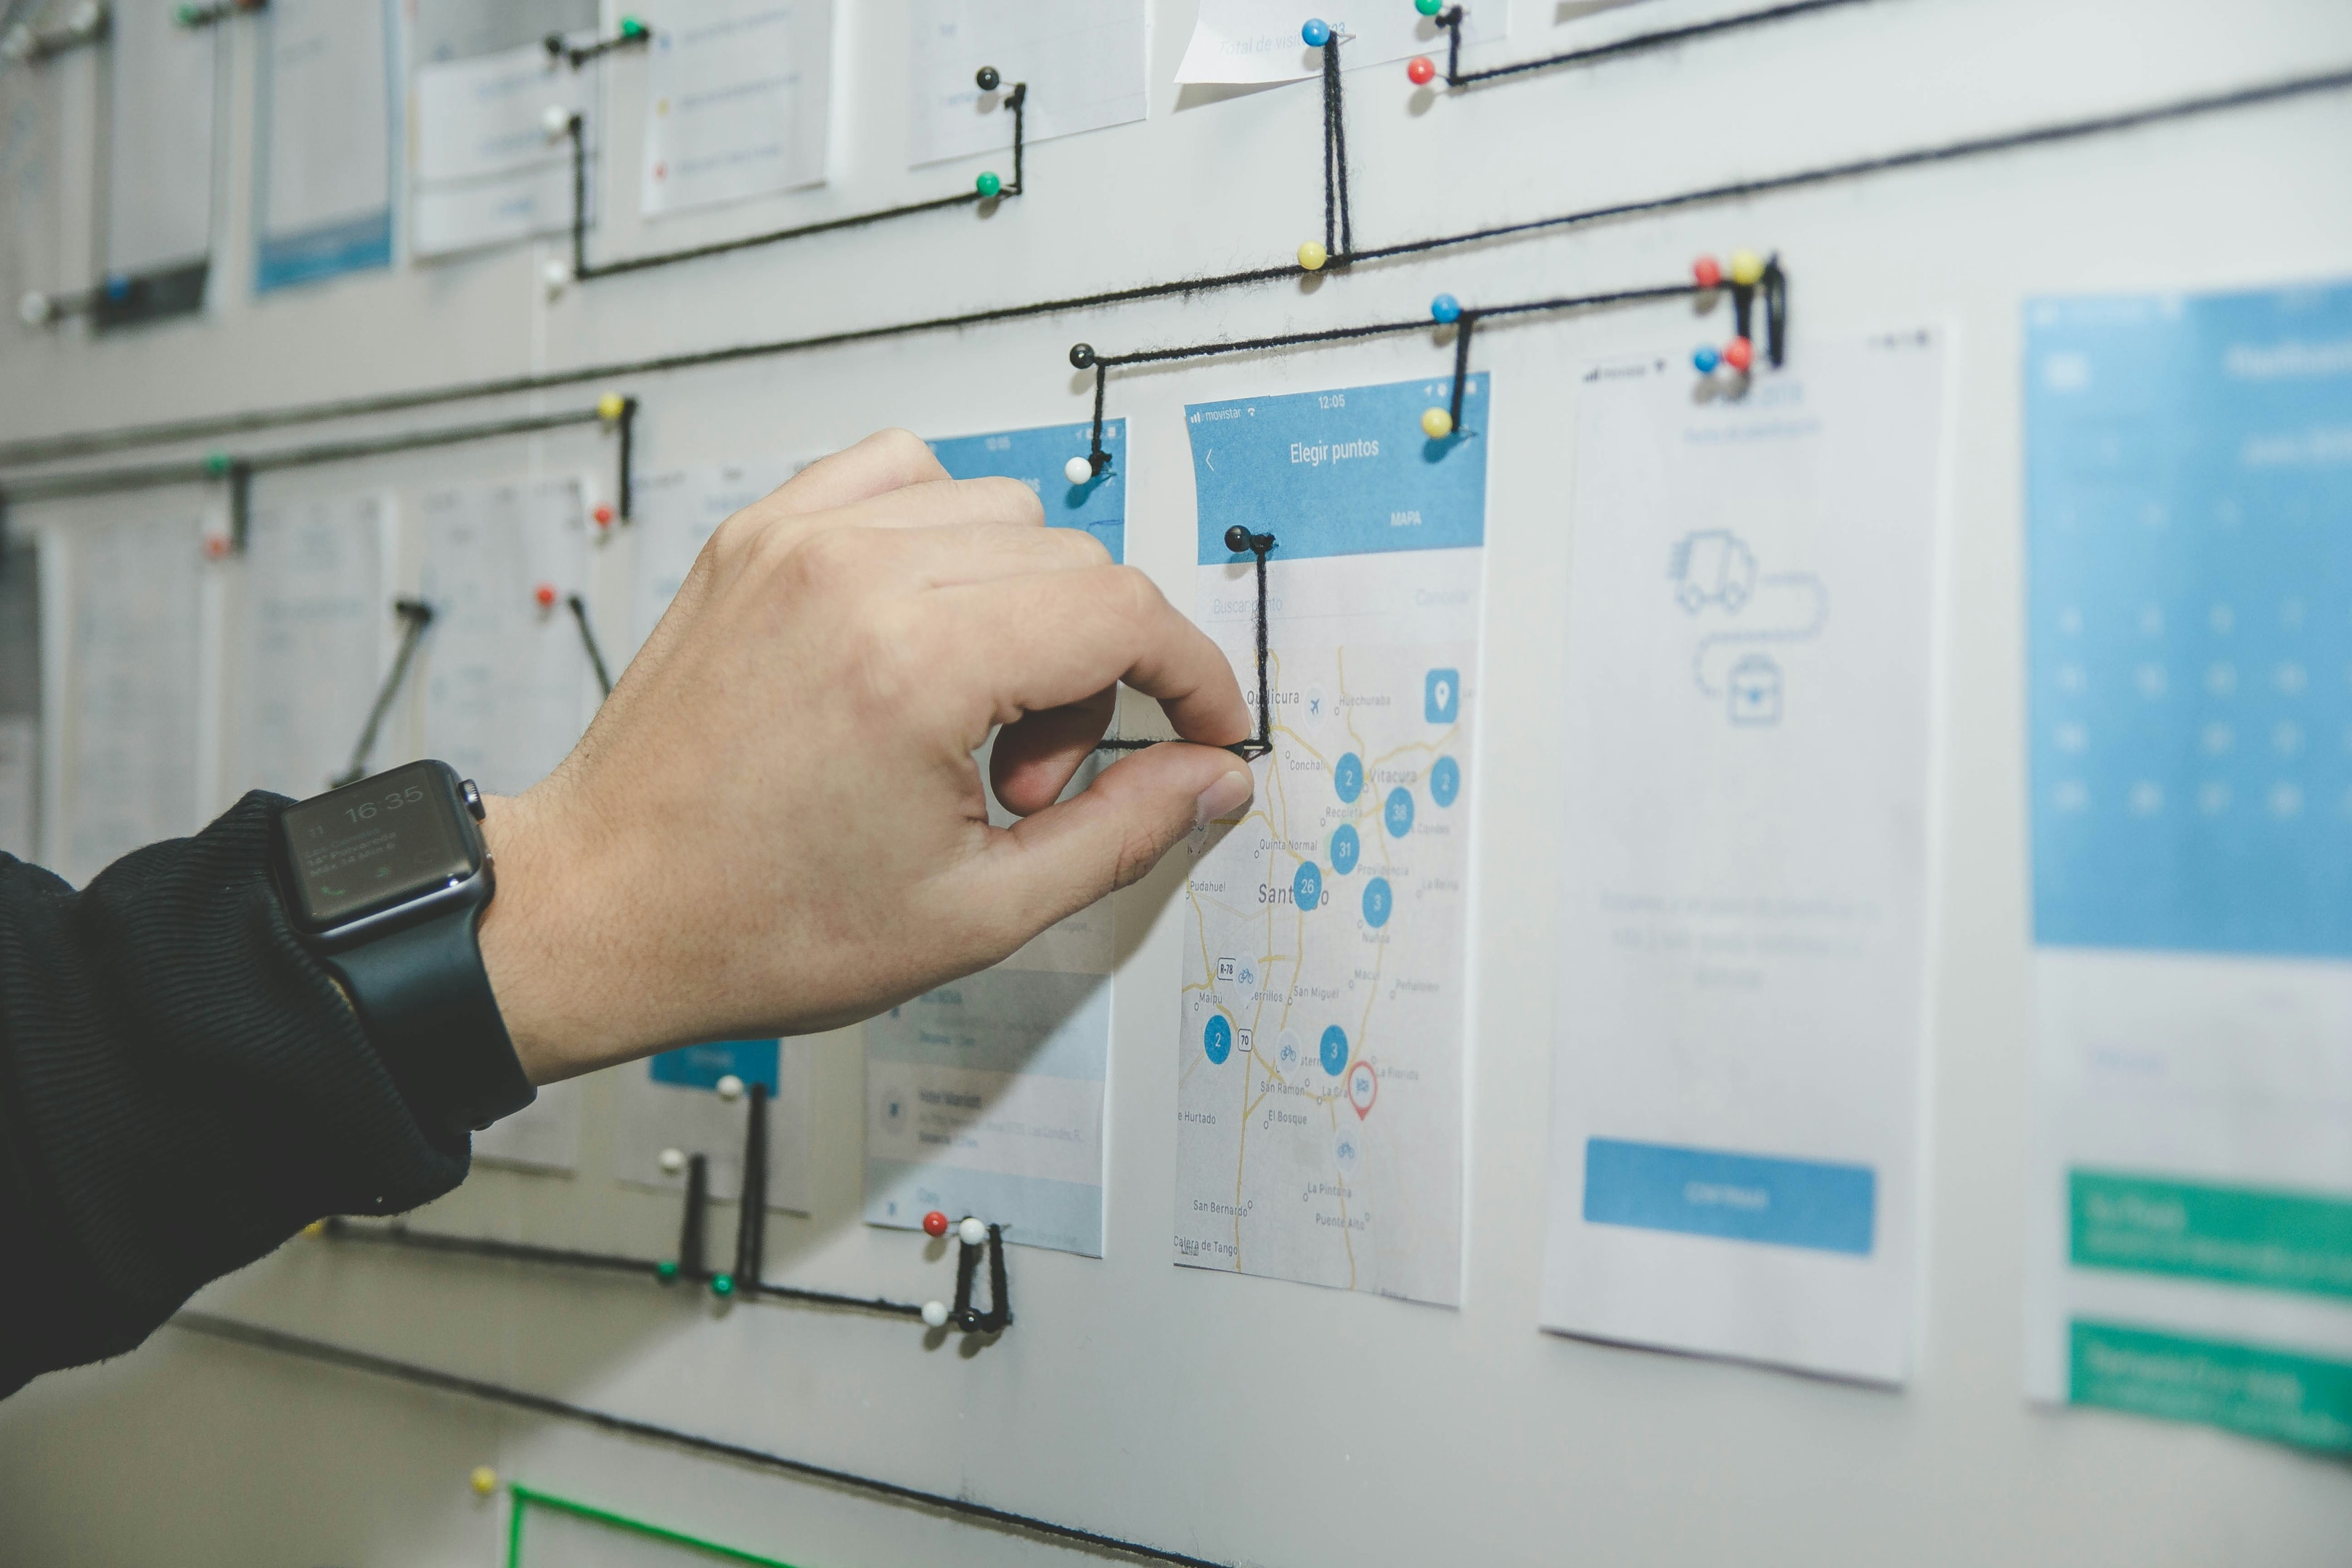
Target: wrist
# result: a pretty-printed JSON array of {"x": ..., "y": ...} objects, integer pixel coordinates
[{"x": 566, "y": 1001}]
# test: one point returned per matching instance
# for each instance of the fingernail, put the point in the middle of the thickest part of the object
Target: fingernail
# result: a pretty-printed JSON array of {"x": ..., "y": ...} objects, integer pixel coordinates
[{"x": 1230, "y": 792}]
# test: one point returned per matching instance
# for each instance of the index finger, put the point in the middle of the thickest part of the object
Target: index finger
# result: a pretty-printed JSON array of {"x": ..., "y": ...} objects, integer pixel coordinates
[
  {"x": 1050, "y": 639},
  {"x": 885, "y": 461}
]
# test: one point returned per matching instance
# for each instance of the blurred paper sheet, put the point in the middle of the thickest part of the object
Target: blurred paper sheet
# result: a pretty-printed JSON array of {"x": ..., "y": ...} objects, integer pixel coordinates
[
  {"x": 1083, "y": 61},
  {"x": 1259, "y": 41},
  {"x": 736, "y": 100}
]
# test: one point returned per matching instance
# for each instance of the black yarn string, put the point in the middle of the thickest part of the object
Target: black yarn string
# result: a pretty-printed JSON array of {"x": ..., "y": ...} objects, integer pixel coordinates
[
  {"x": 1639, "y": 42},
  {"x": 255, "y": 1337},
  {"x": 751, "y": 1211},
  {"x": 1330, "y": 162},
  {"x": 695, "y": 1224},
  {"x": 578, "y": 608},
  {"x": 50, "y": 449},
  {"x": 1337, "y": 100},
  {"x": 1462, "y": 325},
  {"x": 580, "y": 55},
  {"x": 1016, "y": 99},
  {"x": 1260, "y": 545},
  {"x": 415, "y": 615},
  {"x": 626, "y": 458},
  {"x": 198, "y": 470},
  {"x": 692, "y": 1264}
]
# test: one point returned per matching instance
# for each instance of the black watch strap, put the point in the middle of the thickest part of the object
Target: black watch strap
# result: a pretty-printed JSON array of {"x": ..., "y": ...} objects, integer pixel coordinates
[{"x": 427, "y": 1005}]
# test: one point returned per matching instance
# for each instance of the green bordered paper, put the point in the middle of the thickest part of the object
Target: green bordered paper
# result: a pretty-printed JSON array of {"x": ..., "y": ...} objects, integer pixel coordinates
[
  {"x": 526, "y": 1499},
  {"x": 2264, "y": 1240}
]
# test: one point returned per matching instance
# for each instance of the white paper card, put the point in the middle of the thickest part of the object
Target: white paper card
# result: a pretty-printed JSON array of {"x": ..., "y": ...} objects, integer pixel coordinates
[
  {"x": 1083, "y": 61},
  {"x": 737, "y": 93},
  {"x": 312, "y": 642},
  {"x": 1738, "y": 1077},
  {"x": 159, "y": 186},
  {"x": 132, "y": 689},
  {"x": 1326, "y": 978},
  {"x": 326, "y": 141},
  {"x": 487, "y": 169},
  {"x": 1259, "y": 41},
  {"x": 508, "y": 684}
]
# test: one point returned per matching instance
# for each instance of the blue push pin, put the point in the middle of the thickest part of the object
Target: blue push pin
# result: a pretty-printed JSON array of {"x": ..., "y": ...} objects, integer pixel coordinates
[
  {"x": 118, "y": 287},
  {"x": 1705, "y": 360},
  {"x": 1444, "y": 309},
  {"x": 1318, "y": 32}
]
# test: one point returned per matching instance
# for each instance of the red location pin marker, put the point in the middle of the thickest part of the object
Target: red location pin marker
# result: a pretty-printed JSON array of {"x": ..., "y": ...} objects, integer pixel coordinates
[{"x": 1363, "y": 1088}]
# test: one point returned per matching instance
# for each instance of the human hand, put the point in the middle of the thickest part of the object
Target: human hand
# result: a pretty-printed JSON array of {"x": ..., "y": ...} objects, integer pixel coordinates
[{"x": 775, "y": 824}]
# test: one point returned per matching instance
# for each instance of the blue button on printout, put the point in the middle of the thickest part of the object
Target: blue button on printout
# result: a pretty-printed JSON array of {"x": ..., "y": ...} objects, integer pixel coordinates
[{"x": 1741, "y": 1197}]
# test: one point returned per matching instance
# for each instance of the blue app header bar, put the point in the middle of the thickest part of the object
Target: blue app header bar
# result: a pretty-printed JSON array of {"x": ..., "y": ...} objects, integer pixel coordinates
[
  {"x": 1345, "y": 472},
  {"x": 1036, "y": 458},
  {"x": 1738, "y": 1197},
  {"x": 702, "y": 1067}
]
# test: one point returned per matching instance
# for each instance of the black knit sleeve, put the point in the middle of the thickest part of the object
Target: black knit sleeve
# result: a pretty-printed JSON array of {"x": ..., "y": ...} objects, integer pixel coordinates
[{"x": 181, "y": 1088}]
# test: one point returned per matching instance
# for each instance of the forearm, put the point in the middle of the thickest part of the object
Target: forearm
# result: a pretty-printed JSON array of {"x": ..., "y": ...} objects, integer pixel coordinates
[{"x": 181, "y": 1088}]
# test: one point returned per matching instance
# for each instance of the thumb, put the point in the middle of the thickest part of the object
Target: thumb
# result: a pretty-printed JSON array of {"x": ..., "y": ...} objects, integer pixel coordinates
[{"x": 1073, "y": 853}]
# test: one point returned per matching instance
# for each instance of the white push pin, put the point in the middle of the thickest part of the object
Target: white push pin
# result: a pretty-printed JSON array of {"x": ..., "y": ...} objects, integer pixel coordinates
[
  {"x": 557, "y": 275},
  {"x": 731, "y": 1087},
  {"x": 971, "y": 1233},
  {"x": 935, "y": 1314},
  {"x": 16, "y": 45},
  {"x": 1078, "y": 470},
  {"x": 673, "y": 1160},
  {"x": 33, "y": 309},
  {"x": 556, "y": 121},
  {"x": 87, "y": 17}
]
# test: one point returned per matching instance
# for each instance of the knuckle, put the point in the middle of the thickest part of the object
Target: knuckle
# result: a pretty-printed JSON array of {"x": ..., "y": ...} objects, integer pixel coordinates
[
  {"x": 830, "y": 560},
  {"x": 1132, "y": 594}
]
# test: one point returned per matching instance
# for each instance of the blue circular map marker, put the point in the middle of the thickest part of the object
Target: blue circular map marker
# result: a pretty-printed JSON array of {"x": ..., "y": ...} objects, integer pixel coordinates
[
  {"x": 1306, "y": 888},
  {"x": 1399, "y": 815},
  {"x": 1217, "y": 1039},
  {"x": 1378, "y": 902},
  {"x": 1344, "y": 847},
  {"x": 1445, "y": 780},
  {"x": 1348, "y": 776},
  {"x": 1335, "y": 1051}
]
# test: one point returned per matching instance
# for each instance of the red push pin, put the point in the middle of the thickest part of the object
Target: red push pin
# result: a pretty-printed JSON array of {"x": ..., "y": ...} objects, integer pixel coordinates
[
  {"x": 1740, "y": 354},
  {"x": 1421, "y": 70},
  {"x": 215, "y": 546},
  {"x": 935, "y": 1223},
  {"x": 545, "y": 594},
  {"x": 1707, "y": 272},
  {"x": 603, "y": 516}
]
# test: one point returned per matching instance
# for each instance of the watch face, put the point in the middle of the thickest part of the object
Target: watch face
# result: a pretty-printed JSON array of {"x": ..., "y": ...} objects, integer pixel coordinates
[{"x": 376, "y": 844}]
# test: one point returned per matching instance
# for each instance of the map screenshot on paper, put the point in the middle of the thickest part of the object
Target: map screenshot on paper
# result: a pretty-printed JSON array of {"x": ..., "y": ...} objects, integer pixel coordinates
[{"x": 1319, "y": 1056}]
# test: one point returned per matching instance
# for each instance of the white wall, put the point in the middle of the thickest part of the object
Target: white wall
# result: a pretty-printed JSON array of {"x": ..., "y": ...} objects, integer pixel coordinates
[{"x": 1245, "y": 1419}]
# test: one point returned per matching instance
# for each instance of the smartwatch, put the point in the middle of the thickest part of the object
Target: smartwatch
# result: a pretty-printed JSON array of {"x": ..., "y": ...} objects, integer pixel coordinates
[{"x": 385, "y": 881}]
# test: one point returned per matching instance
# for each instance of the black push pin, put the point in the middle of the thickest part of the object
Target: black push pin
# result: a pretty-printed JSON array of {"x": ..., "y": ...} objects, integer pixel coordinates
[{"x": 986, "y": 78}]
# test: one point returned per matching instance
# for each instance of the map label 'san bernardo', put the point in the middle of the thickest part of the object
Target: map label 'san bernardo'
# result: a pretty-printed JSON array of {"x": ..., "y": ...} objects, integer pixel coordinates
[{"x": 1320, "y": 1052}]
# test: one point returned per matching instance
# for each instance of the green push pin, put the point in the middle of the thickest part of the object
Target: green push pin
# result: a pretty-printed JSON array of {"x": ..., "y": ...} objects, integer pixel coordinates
[
  {"x": 219, "y": 462},
  {"x": 988, "y": 186},
  {"x": 1429, "y": 8},
  {"x": 632, "y": 28},
  {"x": 665, "y": 1270},
  {"x": 188, "y": 16},
  {"x": 722, "y": 1284}
]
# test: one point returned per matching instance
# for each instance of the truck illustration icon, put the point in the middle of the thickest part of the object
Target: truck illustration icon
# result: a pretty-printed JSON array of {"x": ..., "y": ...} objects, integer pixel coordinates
[{"x": 1712, "y": 567}]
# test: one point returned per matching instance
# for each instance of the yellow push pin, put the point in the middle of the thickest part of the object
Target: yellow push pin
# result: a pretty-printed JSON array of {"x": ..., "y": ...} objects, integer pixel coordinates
[
  {"x": 485, "y": 1480},
  {"x": 317, "y": 1227},
  {"x": 1312, "y": 256},
  {"x": 612, "y": 405},
  {"x": 1747, "y": 269},
  {"x": 1437, "y": 424}
]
